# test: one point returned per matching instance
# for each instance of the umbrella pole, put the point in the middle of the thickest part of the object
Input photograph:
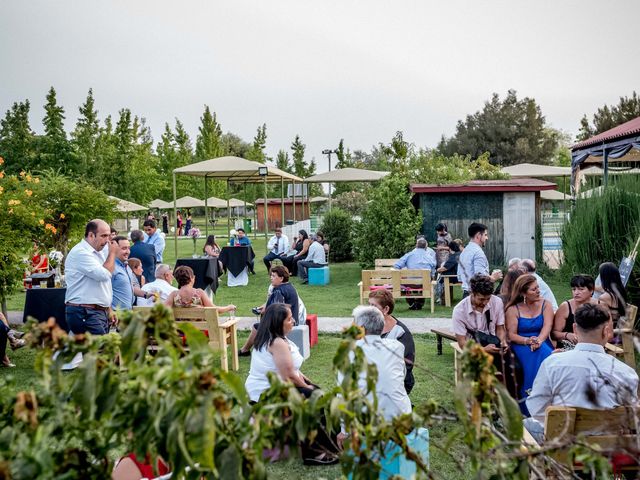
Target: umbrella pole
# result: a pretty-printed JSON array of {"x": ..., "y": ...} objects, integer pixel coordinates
[
  {"x": 282, "y": 201},
  {"x": 206, "y": 205},
  {"x": 294, "y": 200},
  {"x": 265, "y": 214},
  {"x": 228, "y": 213},
  {"x": 175, "y": 215}
]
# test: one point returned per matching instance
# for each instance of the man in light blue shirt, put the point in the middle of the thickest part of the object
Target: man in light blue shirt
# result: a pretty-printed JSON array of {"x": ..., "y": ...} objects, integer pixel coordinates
[
  {"x": 473, "y": 259},
  {"x": 121, "y": 278},
  {"x": 154, "y": 237},
  {"x": 420, "y": 258}
]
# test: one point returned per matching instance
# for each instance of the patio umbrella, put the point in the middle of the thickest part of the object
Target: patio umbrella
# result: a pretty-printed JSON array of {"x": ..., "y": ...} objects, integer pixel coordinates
[{"x": 161, "y": 204}]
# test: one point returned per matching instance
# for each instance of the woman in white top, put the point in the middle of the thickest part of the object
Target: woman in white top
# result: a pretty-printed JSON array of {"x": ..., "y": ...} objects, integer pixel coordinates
[{"x": 274, "y": 352}]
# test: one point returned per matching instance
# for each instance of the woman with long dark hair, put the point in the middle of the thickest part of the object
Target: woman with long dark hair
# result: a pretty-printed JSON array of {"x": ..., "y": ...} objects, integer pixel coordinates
[
  {"x": 529, "y": 319},
  {"x": 211, "y": 247},
  {"x": 301, "y": 247},
  {"x": 581, "y": 291},
  {"x": 615, "y": 296}
]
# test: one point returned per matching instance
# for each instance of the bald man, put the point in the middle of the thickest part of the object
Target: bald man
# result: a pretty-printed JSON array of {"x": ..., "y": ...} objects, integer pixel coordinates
[{"x": 88, "y": 276}]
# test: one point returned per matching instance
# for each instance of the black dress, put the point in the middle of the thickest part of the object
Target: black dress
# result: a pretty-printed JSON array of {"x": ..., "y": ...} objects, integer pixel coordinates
[{"x": 291, "y": 261}]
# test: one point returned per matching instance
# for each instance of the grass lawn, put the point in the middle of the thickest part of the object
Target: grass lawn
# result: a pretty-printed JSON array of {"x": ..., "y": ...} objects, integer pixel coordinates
[{"x": 434, "y": 380}]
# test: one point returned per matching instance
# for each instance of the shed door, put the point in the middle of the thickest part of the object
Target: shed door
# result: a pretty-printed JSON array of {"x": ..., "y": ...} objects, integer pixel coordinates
[{"x": 519, "y": 225}]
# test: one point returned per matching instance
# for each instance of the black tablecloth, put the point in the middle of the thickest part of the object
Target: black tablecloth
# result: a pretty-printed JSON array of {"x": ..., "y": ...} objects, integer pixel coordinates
[
  {"x": 236, "y": 259},
  {"x": 42, "y": 303},
  {"x": 205, "y": 269}
]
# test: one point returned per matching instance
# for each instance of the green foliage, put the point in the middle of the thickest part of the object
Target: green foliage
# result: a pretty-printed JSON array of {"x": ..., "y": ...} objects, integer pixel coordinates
[
  {"x": 433, "y": 167},
  {"x": 351, "y": 202},
  {"x": 256, "y": 152},
  {"x": 337, "y": 227},
  {"x": 85, "y": 136},
  {"x": 17, "y": 139},
  {"x": 389, "y": 222},
  {"x": 300, "y": 167},
  {"x": 607, "y": 117},
  {"x": 209, "y": 142},
  {"x": 512, "y": 131},
  {"x": 283, "y": 162},
  {"x": 55, "y": 151},
  {"x": 603, "y": 228}
]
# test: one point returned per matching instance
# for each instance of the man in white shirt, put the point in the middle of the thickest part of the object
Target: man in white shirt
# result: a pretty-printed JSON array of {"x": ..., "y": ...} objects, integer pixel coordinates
[
  {"x": 584, "y": 377},
  {"x": 161, "y": 286},
  {"x": 278, "y": 247},
  {"x": 473, "y": 259},
  {"x": 529, "y": 266},
  {"x": 315, "y": 258},
  {"x": 88, "y": 277},
  {"x": 388, "y": 356},
  {"x": 154, "y": 237}
]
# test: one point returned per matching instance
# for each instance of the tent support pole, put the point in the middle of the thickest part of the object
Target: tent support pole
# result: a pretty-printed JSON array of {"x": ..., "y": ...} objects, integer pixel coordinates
[
  {"x": 265, "y": 214},
  {"x": 206, "y": 205},
  {"x": 564, "y": 200},
  {"x": 282, "y": 202},
  {"x": 294, "y": 200},
  {"x": 175, "y": 215},
  {"x": 228, "y": 212},
  {"x": 605, "y": 164},
  {"x": 245, "y": 204}
]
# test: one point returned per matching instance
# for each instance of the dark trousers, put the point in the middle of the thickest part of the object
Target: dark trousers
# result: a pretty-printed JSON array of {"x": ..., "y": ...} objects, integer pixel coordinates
[
  {"x": 269, "y": 257},
  {"x": 4, "y": 336},
  {"x": 82, "y": 319},
  {"x": 304, "y": 266}
]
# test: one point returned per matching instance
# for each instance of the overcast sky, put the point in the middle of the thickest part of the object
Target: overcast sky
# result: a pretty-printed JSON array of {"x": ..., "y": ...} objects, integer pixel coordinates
[{"x": 358, "y": 70}]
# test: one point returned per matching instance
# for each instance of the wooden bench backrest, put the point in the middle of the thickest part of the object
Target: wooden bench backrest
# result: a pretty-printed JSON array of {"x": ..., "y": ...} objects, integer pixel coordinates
[
  {"x": 610, "y": 429},
  {"x": 381, "y": 263},
  {"x": 203, "y": 318},
  {"x": 628, "y": 347},
  {"x": 417, "y": 277},
  {"x": 381, "y": 278}
]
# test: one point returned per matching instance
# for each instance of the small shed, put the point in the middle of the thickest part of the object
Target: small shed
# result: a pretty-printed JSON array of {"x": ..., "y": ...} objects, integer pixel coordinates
[
  {"x": 274, "y": 212},
  {"x": 509, "y": 208}
]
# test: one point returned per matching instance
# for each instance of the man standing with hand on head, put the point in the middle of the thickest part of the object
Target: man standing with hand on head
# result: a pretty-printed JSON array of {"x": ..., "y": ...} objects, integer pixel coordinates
[{"x": 88, "y": 276}]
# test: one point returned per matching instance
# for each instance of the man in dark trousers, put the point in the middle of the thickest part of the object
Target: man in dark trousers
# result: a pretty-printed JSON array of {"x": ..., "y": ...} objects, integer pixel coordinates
[{"x": 146, "y": 253}]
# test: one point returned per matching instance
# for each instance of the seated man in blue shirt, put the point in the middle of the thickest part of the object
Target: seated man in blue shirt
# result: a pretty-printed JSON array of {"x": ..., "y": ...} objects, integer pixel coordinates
[{"x": 420, "y": 258}]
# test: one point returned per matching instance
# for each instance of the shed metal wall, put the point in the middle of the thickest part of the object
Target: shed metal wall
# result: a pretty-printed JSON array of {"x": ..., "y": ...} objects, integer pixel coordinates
[{"x": 458, "y": 210}]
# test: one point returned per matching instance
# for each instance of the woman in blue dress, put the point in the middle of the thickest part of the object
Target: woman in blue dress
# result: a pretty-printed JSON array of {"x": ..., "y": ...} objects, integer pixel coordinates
[{"x": 528, "y": 320}]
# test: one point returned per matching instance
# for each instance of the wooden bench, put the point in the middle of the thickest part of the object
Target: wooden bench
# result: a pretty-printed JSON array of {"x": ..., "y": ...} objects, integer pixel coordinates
[
  {"x": 610, "y": 431},
  {"x": 448, "y": 287},
  {"x": 221, "y": 335},
  {"x": 403, "y": 284},
  {"x": 441, "y": 333}
]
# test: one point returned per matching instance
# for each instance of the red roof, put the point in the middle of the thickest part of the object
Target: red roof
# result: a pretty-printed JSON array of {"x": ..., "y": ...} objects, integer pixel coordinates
[
  {"x": 628, "y": 128},
  {"x": 512, "y": 185},
  {"x": 277, "y": 201}
]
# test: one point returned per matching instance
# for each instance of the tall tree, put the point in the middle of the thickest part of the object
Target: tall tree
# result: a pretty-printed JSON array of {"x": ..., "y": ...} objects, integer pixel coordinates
[
  {"x": 17, "y": 139},
  {"x": 55, "y": 150},
  {"x": 607, "y": 117},
  {"x": 256, "y": 152},
  {"x": 283, "y": 162},
  {"x": 299, "y": 165},
  {"x": 85, "y": 135},
  {"x": 511, "y": 130},
  {"x": 209, "y": 142}
]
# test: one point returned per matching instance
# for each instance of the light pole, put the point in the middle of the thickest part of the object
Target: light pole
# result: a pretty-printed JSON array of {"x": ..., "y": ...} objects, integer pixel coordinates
[{"x": 328, "y": 153}]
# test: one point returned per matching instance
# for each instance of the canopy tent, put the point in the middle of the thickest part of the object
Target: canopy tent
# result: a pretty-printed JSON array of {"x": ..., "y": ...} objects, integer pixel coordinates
[
  {"x": 553, "y": 196},
  {"x": 534, "y": 170},
  {"x": 616, "y": 145},
  {"x": 234, "y": 203},
  {"x": 346, "y": 175},
  {"x": 318, "y": 199},
  {"x": 188, "y": 202},
  {"x": 161, "y": 204},
  {"x": 125, "y": 206},
  {"x": 215, "y": 202},
  {"x": 237, "y": 170}
]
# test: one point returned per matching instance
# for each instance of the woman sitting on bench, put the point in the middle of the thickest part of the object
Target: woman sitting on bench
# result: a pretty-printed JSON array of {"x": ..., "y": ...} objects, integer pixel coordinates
[{"x": 187, "y": 296}]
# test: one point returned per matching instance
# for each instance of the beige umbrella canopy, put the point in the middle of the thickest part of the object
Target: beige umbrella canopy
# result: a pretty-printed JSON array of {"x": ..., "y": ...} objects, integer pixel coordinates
[
  {"x": 234, "y": 202},
  {"x": 553, "y": 195},
  {"x": 535, "y": 170},
  {"x": 347, "y": 175},
  {"x": 235, "y": 169},
  {"x": 157, "y": 203},
  {"x": 215, "y": 202},
  {"x": 125, "y": 206},
  {"x": 318, "y": 199},
  {"x": 189, "y": 202}
]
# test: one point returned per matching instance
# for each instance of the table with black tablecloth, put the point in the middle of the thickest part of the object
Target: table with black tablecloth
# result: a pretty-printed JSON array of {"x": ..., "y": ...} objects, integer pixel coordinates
[
  {"x": 42, "y": 303},
  {"x": 205, "y": 270},
  {"x": 237, "y": 260}
]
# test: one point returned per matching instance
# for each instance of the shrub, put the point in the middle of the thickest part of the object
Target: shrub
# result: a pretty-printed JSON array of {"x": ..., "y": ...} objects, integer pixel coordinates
[
  {"x": 351, "y": 202},
  {"x": 337, "y": 227},
  {"x": 603, "y": 228},
  {"x": 389, "y": 222}
]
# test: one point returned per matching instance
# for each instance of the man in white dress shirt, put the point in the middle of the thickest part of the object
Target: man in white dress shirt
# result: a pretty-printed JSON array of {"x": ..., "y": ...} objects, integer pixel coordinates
[
  {"x": 278, "y": 247},
  {"x": 161, "y": 286},
  {"x": 584, "y": 377},
  {"x": 88, "y": 277},
  {"x": 315, "y": 258}
]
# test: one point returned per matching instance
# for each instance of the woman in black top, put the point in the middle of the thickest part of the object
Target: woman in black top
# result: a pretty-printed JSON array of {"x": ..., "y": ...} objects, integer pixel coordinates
[
  {"x": 394, "y": 328},
  {"x": 301, "y": 247},
  {"x": 582, "y": 287}
]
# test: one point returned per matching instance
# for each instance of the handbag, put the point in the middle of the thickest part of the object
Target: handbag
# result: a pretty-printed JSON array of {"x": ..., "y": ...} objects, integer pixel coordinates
[{"x": 482, "y": 338}]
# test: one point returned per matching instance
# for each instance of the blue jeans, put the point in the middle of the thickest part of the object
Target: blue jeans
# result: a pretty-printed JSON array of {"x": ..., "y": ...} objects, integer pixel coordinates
[{"x": 81, "y": 320}]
